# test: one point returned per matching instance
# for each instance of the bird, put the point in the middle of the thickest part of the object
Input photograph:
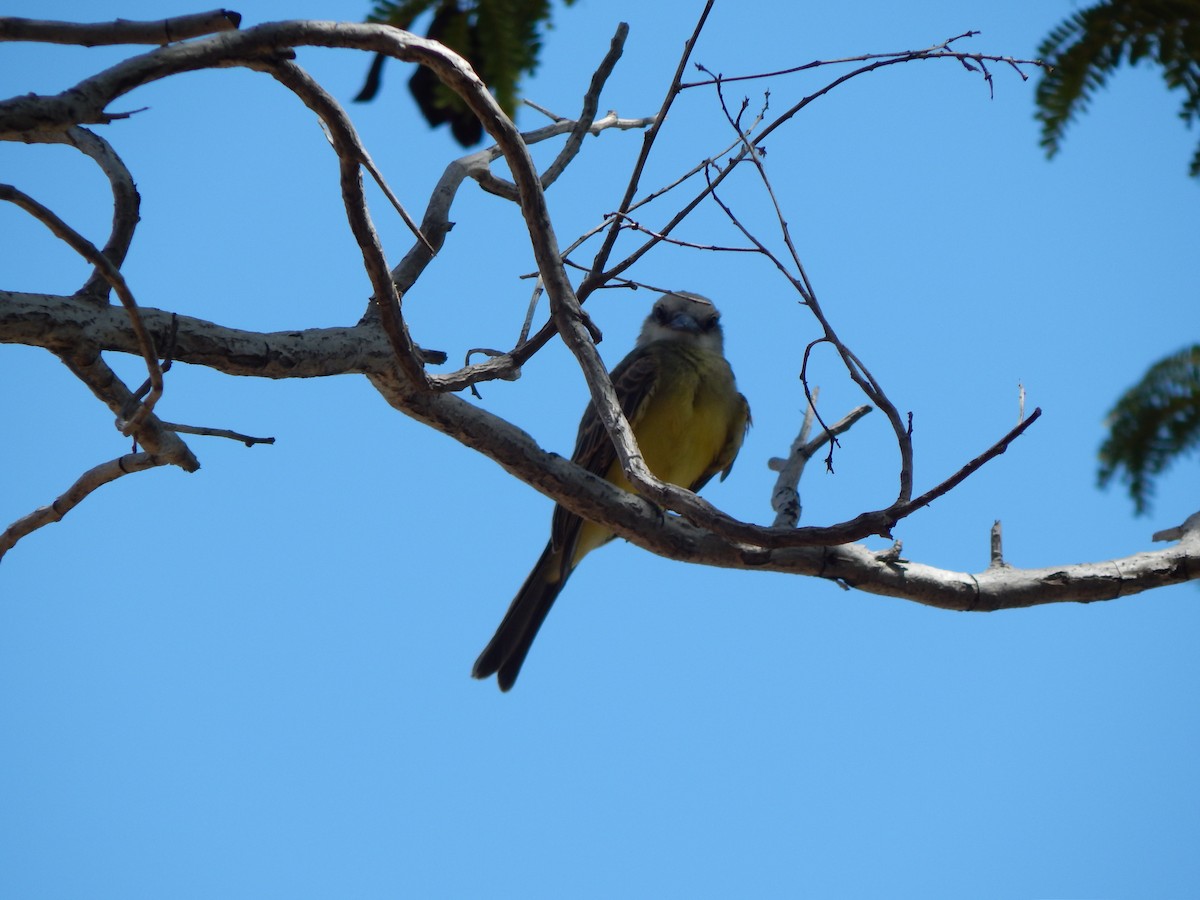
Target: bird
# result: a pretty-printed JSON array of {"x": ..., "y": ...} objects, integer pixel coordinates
[{"x": 681, "y": 399}]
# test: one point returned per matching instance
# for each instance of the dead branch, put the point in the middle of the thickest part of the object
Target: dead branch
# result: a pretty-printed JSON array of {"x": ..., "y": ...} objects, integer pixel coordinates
[
  {"x": 202, "y": 431},
  {"x": 74, "y": 495},
  {"x": 78, "y": 330},
  {"x": 85, "y": 248},
  {"x": 121, "y": 31},
  {"x": 126, "y": 202},
  {"x": 785, "y": 498},
  {"x": 351, "y": 156}
]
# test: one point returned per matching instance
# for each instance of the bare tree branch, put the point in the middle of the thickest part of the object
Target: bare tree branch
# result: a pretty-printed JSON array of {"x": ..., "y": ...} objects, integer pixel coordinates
[
  {"x": 351, "y": 155},
  {"x": 60, "y": 324},
  {"x": 84, "y": 248},
  {"x": 75, "y": 494},
  {"x": 126, "y": 202},
  {"x": 785, "y": 498},
  {"x": 642, "y": 523},
  {"x": 580, "y": 127},
  {"x": 121, "y": 31},
  {"x": 217, "y": 432},
  {"x": 78, "y": 330},
  {"x": 595, "y": 277}
]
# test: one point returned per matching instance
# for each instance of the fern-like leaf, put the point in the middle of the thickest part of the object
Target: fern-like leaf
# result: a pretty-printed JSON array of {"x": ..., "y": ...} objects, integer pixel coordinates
[
  {"x": 1091, "y": 44},
  {"x": 1154, "y": 423},
  {"x": 500, "y": 38}
]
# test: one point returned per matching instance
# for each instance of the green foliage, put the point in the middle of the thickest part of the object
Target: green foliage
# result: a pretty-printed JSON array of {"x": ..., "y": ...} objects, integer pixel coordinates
[
  {"x": 1092, "y": 43},
  {"x": 1155, "y": 422},
  {"x": 500, "y": 38}
]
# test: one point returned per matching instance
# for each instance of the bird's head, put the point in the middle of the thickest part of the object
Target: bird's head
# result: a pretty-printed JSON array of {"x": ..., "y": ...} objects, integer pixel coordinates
[{"x": 686, "y": 317}]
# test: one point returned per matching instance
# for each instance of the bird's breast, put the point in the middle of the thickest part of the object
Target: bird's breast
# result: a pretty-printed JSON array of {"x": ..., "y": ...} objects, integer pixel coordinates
[{"x": 687, "y": 419}]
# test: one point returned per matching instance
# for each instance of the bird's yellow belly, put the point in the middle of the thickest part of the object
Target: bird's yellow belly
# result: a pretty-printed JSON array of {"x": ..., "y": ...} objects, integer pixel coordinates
[
  {"x": 681, "y": 433},
  {"x": 681, "y": 437}
]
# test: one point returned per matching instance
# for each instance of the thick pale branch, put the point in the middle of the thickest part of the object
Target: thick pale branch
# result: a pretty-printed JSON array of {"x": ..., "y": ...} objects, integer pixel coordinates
[
  {"x": 87, "y": 102},
  {"x": 642, "y": 523},
  {"x": 77, "y": 331},
  {"x": 259, "y": 43},
  {"x": 120, "y": 31},
  {"x": 60, "y": 324}
]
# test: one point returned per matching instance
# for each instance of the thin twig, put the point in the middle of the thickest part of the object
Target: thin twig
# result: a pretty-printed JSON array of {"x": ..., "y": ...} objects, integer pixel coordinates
[
  {"x": 369, "y": 165},
  {"x": 538, "y": 289},
  {"x": 86, "y": 483},
  {"x": 858, "y": 372},
  {"x": 88, "y": 251},
  {"x": 996, "y": 553},
  {"x": 937, "y": 51},
  {"x": 970, "y": 468},
  {"x": 122, "y": 31},
  {"x": 84, "y": 361},
  {"x": 217, "y": 432},
  {"x": 351, "y": 152},
  {"x": 785, "y": 499},
  {"x": 601, "y": 259},
  {"x": 591, "y": 103},
  {"x": 578, "y": 128},
  {"x": 637, "y": 226}
]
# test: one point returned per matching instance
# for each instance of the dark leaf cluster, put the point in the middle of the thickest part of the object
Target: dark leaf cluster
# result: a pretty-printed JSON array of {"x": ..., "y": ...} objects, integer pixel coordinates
[
  {"x": 1153, "y": 423},
  {"x": 500, "y": 38},
  {"x": 1092, "y": 43}
]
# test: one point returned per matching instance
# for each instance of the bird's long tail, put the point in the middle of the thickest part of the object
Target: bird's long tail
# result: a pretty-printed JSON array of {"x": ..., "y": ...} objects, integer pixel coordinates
[{"x": 507, "y": 649}]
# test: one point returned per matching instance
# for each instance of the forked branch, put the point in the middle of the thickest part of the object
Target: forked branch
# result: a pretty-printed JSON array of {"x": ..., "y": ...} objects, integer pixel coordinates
[{"x": 81, "y": 328}]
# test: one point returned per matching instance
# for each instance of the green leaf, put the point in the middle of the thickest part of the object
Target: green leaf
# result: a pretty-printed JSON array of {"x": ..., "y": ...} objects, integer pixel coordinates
[
  {"x": 1154, "y": 423},
  {"x": 1092, "y": 43},
  {"x": 500, "y": 38}
]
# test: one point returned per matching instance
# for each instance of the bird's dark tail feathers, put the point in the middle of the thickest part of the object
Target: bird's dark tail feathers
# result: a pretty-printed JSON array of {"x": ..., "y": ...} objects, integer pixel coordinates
[{"x": 507, "y": 649}]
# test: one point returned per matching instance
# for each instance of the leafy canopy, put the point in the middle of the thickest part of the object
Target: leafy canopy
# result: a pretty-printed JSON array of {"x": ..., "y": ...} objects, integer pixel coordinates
[
  {"x": 1155, "y": 421},
  {"x": 500, "y": 38},
  {"x": 1092, "y": 43}
]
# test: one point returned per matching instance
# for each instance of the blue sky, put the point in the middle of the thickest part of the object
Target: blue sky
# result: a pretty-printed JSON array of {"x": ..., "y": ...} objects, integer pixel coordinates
[{"x": 254, "y": 681}]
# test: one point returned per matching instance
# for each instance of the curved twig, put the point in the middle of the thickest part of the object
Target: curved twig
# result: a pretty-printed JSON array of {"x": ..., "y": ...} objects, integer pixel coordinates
[
  {"x": 126, "y": 201},
  {"x": 88, "y": 251},
  {"x": 351, "y": 156},
  {"x": 595, "y": 276},
  {"x": 89, "y": 481}
]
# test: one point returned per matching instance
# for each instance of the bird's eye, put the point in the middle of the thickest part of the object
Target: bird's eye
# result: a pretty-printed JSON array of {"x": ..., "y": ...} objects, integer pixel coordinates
[
  {"x": 660, "y": 315},
  {"x": 710, "y": 323}
]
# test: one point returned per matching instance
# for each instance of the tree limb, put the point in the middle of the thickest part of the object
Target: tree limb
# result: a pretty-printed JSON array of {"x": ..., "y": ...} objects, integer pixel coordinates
[
  {"x": 78, "y": 331},
  {"x": 86, "y": 483},
  {"x": 121, "y": 31}
]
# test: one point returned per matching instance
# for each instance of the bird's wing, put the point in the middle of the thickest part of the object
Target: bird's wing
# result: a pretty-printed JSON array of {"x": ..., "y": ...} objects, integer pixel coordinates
[
  {"x": 634, "y": 380},
  {"x": 733, "y": 444},
  {"x": 737, "y": 434}
]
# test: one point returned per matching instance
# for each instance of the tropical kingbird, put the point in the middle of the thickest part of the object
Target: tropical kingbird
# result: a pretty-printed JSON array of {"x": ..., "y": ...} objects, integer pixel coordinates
[{"x": 679, "y": 395}]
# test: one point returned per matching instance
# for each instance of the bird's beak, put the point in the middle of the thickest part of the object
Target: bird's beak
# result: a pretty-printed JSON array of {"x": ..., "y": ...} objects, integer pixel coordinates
[{"x": 684, "y": 322}]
